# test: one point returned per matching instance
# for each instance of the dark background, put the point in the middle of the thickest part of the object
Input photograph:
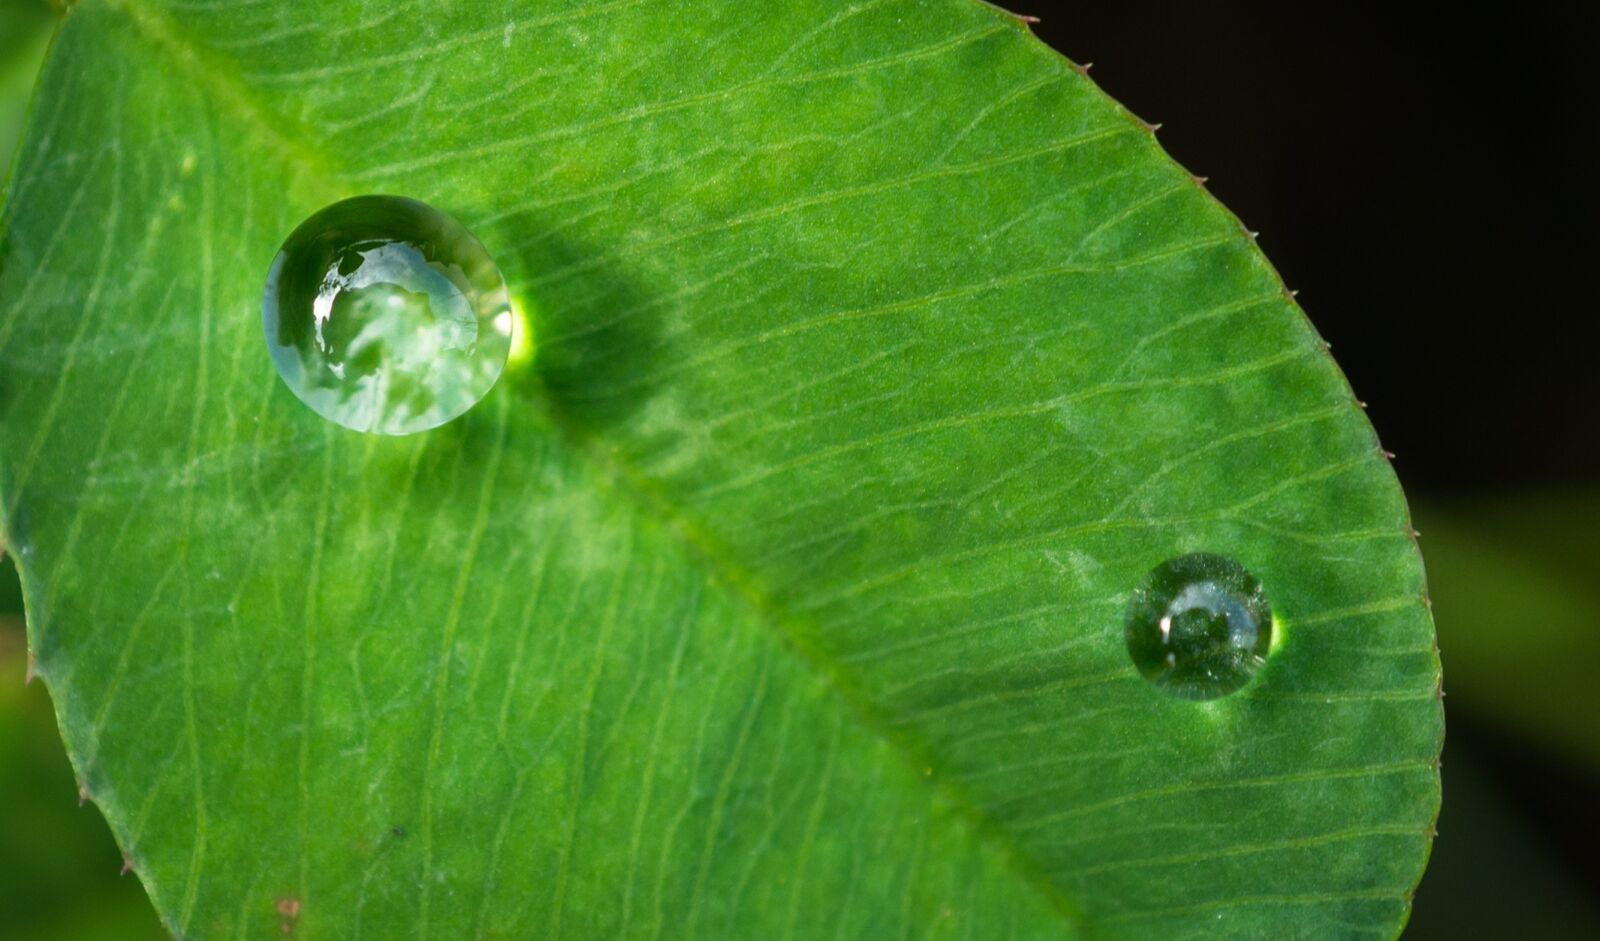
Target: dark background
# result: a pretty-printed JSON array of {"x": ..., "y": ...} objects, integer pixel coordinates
[{"x": 1418, "y": 175}]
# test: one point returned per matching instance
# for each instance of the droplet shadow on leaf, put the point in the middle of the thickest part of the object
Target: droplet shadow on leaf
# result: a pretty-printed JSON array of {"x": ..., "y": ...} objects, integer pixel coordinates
[{"x": 594, "y": 334}]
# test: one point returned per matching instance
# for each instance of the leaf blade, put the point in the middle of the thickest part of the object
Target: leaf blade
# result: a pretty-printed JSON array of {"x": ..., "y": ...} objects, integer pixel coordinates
[{"x": 624, "y": 439}]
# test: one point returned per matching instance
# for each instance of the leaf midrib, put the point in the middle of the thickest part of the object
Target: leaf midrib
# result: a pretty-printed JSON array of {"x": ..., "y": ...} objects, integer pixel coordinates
[{"x": 325, "y": 175}]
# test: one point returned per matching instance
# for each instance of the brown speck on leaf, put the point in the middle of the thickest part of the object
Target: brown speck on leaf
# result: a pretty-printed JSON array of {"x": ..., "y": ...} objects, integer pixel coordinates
[
  {"x": 1084, "y": 68},
  {"x": 289, "y": 907},
  {"x": 83, "y": 794},
  {"x": 33, "y": 670},
  {"x": 127, "y": 866}
]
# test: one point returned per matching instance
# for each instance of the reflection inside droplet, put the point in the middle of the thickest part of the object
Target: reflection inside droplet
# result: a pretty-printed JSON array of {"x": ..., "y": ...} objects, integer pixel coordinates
[
  {"x": 1199, "y": 626},
  {"x": 385, "y": 315}
]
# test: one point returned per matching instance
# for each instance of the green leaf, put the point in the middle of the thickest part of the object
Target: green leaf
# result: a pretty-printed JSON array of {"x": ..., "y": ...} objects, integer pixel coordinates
[{"x": 877, "y": 356}]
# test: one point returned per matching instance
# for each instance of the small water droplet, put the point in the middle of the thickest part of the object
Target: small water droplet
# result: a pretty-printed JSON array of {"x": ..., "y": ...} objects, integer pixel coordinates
[
  {"x": 385, "y": 315},
  {"x": 1199, "y": 626}
]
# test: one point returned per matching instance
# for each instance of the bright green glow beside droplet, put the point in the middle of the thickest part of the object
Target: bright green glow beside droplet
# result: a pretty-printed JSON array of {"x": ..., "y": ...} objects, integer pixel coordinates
[
  {"x": 1199, "y": 626},
  {"x": 385, "y": 315},
  {"x": 521, "y": 337}
]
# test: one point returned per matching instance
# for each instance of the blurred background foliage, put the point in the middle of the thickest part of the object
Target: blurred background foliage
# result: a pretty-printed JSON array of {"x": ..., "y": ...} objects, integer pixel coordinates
[
  {"x": 24, "y": 34},
  {"x": 1327, "y": 120}
]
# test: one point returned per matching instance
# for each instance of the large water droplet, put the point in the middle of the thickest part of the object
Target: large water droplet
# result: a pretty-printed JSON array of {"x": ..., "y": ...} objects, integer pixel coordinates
[
  {"x": 385, "y": 315},
  {"x": 1199, "y": 626}
]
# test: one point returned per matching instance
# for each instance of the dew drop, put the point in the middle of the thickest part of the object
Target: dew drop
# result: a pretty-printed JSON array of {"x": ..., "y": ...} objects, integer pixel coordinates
[
  {"x": 385, "y": 315},
  {"x": 1199, "y": 626}
]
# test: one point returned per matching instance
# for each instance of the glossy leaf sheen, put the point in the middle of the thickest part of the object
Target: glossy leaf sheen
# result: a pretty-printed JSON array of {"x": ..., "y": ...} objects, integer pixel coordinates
[{"x": 781, "y": 593}]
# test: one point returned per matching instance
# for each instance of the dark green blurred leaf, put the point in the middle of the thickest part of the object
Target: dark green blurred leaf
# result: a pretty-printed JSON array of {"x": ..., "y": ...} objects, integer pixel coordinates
[
  {"x": 10, "y": 595},
  {"x": 24, "y": 35},
  {"x": 1515, "y": 582},
  {"x": 58, "y": 865}
]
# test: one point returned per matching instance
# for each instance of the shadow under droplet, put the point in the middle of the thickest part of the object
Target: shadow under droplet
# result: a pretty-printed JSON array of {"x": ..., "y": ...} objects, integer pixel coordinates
[{"x": 594, "y": 334}]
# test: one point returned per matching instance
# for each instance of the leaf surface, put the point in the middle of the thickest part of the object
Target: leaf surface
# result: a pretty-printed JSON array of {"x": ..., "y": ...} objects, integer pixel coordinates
[{"x": 876, "y": 356}]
